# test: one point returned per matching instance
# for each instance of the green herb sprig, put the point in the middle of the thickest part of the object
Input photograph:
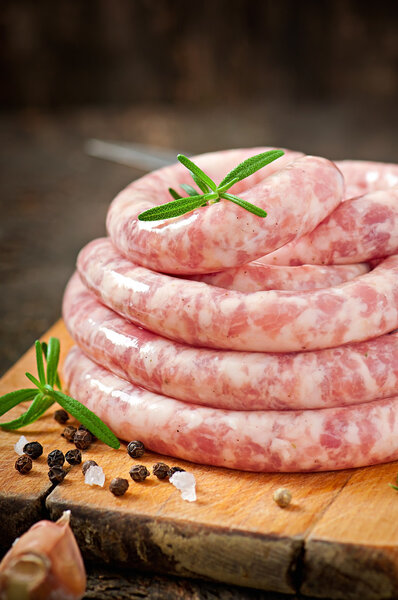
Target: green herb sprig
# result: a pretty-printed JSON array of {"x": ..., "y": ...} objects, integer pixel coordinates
[
  {"x": 211, "y": 192},
  {"x": 44, "y": 395}
]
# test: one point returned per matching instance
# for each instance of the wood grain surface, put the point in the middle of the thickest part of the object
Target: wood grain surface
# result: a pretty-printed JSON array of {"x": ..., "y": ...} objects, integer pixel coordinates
[{"x": 338, "y": 539}]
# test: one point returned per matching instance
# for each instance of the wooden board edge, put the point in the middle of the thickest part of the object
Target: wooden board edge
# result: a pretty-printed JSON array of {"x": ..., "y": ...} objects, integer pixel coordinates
[
  {"x": 184, "y": 549},
  {"x": 344, "y": 571},
  {"x": 24, "y": 515}
]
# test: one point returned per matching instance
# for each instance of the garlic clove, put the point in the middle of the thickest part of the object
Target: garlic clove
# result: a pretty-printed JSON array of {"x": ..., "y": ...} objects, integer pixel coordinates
[{"x": 44, "y": 562}]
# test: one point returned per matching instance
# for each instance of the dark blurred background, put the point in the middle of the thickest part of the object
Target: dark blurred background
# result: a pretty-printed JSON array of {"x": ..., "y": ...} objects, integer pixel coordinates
[{"x": 318, "y": 75}]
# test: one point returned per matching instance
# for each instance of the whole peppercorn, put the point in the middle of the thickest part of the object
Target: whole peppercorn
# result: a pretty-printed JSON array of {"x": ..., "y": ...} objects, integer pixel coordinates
[
  {"x": 74, "y": 457},
  {"x": 23, "y": 464},
  {"x": 56, "y": 474},
  {"x": 282, "y": 497},
  {"x": 139, "y": 473},
  {"x": 119, "y": 486},
  {"x": 135, "y": 449},
  {"x": 84, "y": 428},
  {"x": 161, "y": 470},
  {"x": 174, "y": 470},
  {"x": 87, "y": 464},
  {"x": 82, "y": 439},
  {"x": 56, "y": 458},
  {"x": 61, "y": 416},
  {"x": 69, "y": 433},
  {"x": 33, "y": 449}
]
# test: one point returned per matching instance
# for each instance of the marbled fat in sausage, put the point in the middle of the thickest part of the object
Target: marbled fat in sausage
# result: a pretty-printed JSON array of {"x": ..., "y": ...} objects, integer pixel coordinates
[
  {"x": 350, "y": 374},
  {"x": 296, "y": 197},
  {"x": 256, "y": 276},
  {"x": 271, "y": 321},
  {"x": 358, "y": 230},
  {"x": 310, "y": 440},
  {"x": 364, "y": 176}
]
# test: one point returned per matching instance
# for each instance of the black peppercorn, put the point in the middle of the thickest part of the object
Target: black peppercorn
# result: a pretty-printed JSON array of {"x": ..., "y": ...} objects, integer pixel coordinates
[
  {"x": 161, "y": 470},
  {"x": 23, "y": 464},
  {"x": 82, "y": 439},
  {"x": 69, "y": 433},
  {"x": 87, "y": 464},
  {"x": 61, "y": 416},
  {"x": 174, "y": 470},
  {"x": 33, "y": 449},
  {"x": 74, "y": 457},
  {"x": 119, "y": 486},
  {"x": 56, "y": 474},
  {"x": 84, "y": 428},
  {"x": 139, "y": 473},
  {"x": 56, "y": 458},
  {"x": 136, "y": 449}
]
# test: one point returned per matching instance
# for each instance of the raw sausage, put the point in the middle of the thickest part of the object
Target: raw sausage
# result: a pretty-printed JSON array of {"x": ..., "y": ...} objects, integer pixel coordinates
[
  {"x": 257, "y": 276},
  {"x": 358, "y": 230},
  {"x": 310, "y": 440},
  {"x": 271, "y": 321},
  {"x": 363, "y": 176},
  {"x": 233, "y": 380},
  {"x": 296, "y": 197}
]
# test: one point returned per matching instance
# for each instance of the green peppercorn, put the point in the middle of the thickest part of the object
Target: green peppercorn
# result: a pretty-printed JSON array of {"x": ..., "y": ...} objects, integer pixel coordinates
[
  {"x": 69, "y": 433},
  {"x": 56, "y": 458},
  {"x": 161, "y": 470},
  {"x": 119, "y": 486},
  {"x": 87, "y": 464},
  {"x": 74, "y": 457},
  {"x": 61, "y": 416},
  {"x": 82, "y": 439},
  {"x": 139, "y": 473},
  {"x": 135, "y": 449},
  {"x": 23, "y": 464},
  {"x": 33, "y": 449},
  {"x": 56, "y": 474},
  {"x": 174, "y": 470}
]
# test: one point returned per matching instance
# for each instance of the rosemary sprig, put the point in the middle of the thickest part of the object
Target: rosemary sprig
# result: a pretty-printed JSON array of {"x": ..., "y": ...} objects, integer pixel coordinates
[
  {"x": 44, "y": 396},
  {"x": 211, "y": 192}
]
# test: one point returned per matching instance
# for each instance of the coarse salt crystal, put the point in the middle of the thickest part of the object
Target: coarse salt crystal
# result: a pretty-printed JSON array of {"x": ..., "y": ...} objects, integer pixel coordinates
[
  {"x": 94, "y": 476},
  {"x": 185, "y": 482},
  {"x": 18, "y": 447}
]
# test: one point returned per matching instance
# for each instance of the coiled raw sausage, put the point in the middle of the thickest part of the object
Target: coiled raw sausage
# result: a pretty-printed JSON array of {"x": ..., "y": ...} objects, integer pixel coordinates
[
  {"x": 297, "y": 197},
  {"x": 310, "y": 440},
  {"x": 232, "y": 380},
  {"x": 271, "y": 321}
]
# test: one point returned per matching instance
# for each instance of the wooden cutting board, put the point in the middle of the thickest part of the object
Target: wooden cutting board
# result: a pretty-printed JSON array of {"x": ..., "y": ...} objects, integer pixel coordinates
[{"x": 338, "y": 538}]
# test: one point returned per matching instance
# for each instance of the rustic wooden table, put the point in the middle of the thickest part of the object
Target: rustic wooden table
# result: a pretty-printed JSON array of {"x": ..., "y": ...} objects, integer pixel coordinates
[{"x": 54, "y": 199}]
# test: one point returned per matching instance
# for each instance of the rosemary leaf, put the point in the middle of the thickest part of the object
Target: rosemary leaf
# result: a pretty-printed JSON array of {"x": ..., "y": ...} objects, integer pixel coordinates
[
  {"x": 57, "y": 379},
  {"x": 40, "y": 362},
  {"x": 174, "y": 194},
  {"x": 8, "y": 401},
  {"x": 52, "y": 360},
  {"x": 251, "y": 165},
  {"x": 256, "y": 210},
  {"x": 198, "y": 172},
  {"x": 35, "y": 381},
  {"x": 171, "y": 209},
  {"x": 189, "y": 189},
  {"x": 87, "y": 418},
  {"x": 223, "y": 188},
  {"x": 38, "y": 407},
  {"x": 201, "y": 184}
]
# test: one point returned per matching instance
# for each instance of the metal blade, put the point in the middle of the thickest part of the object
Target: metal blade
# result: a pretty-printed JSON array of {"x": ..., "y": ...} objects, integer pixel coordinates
[{"x": 139, "y": 156}]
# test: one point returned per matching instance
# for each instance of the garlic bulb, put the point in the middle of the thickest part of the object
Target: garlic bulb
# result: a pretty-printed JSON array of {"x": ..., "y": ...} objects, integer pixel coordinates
[{"x": 45, "y": 562}]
